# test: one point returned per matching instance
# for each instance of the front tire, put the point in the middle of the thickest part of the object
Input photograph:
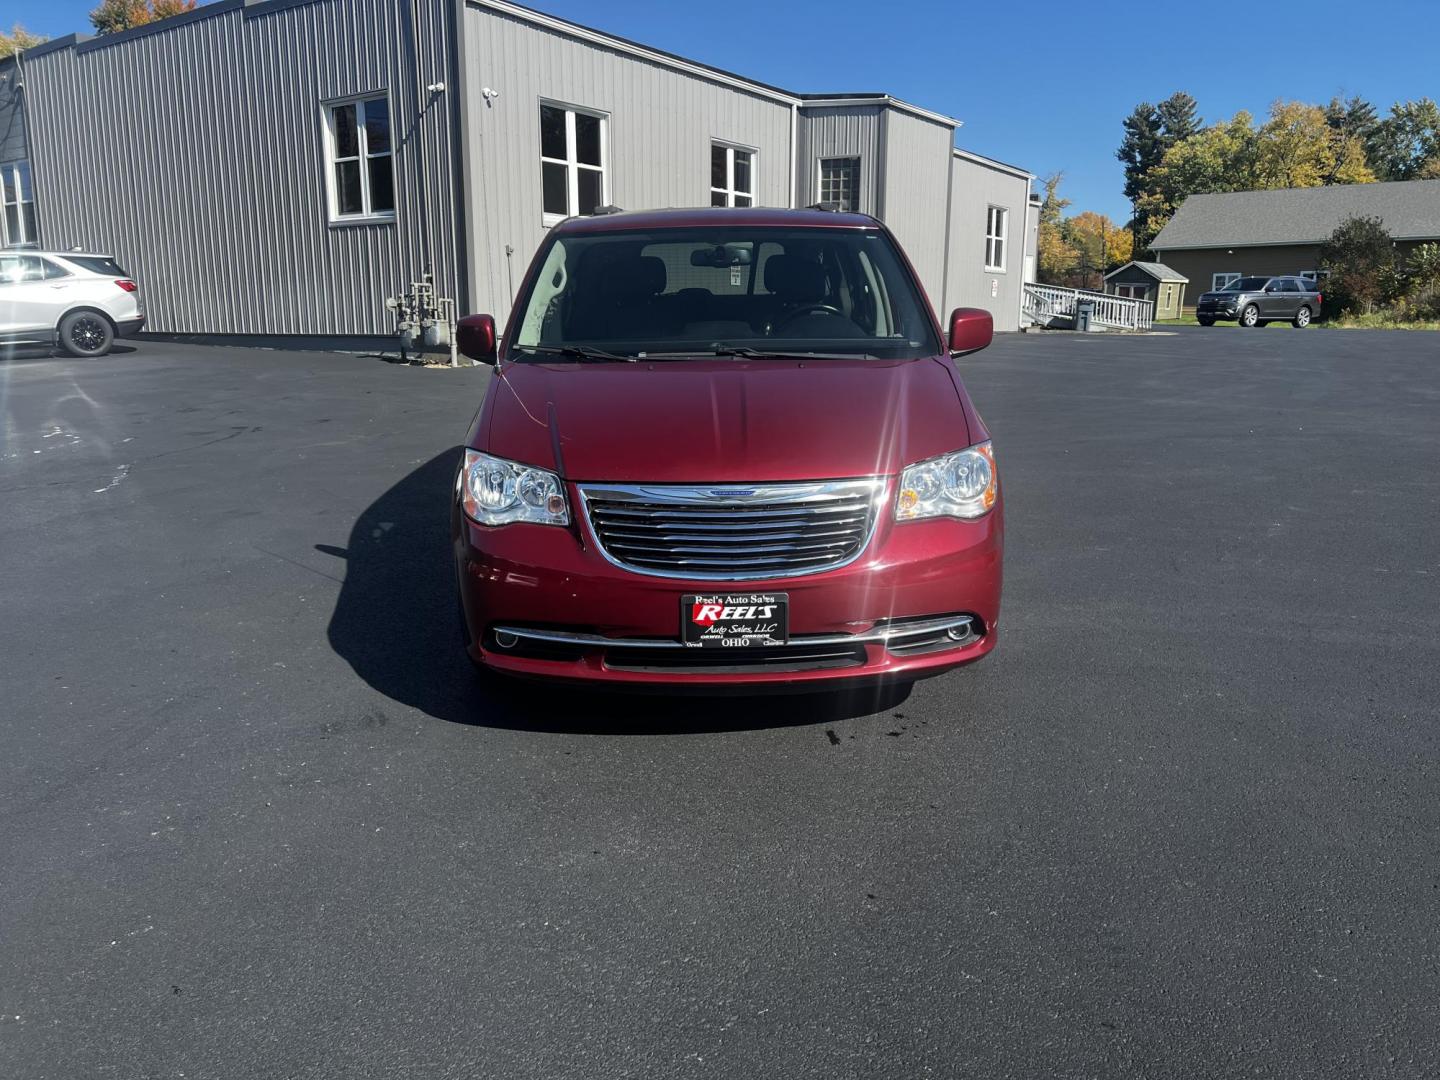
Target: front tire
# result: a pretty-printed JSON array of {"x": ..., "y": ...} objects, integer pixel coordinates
[
  {"x": 1204, "y": 320},
  {"x": 1250, "y": 316},
  {"x": 1302, "y": 318},
  {"x": 86, "y": 333}
]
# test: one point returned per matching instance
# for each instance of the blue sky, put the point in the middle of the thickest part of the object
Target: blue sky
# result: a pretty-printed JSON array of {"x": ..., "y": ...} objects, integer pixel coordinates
[{"x": 1049, "y": 99}]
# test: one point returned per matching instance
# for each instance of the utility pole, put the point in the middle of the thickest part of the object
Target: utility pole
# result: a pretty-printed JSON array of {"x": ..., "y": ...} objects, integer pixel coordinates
[{"x": 1104, "y": 251}]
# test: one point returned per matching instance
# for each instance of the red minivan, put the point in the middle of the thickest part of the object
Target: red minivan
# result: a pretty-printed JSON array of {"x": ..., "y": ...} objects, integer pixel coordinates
[{"x": 726, "y": 449}]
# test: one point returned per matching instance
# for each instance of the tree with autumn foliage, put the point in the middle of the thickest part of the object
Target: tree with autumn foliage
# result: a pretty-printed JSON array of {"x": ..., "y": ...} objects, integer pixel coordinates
[
  {"x": 1297, "y": 148},
  {"x": 1103, "y": 245},
  {"x": 112, "y": 16},
  {"x": 1078, "y": 250},
  {"x": 17, "y": 40},
  {"x": 1298, "y": 145},
  {"x": 1054, "y": 256}
]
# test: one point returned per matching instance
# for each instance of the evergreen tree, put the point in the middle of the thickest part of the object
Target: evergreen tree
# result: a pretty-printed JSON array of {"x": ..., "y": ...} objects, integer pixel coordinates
[
  {"x": 1406, "y": 144},
  {"x": 1352, "y": 122},
  {"x": 1141, "y": 150},
  {"x": 1150, "y": 132},
  {"x": 1179, "y": 118}
]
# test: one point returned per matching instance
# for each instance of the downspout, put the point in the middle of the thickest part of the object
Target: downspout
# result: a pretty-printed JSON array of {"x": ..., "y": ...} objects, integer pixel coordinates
[
  {"x": 949, "y": 206},
  {"x": 794, "y": 151},
  {"x": 415, "y": 152},
  {"x": 24, "y": 92},
  {"x": 460, "y": 164},
  {"x": 1024, "y": 244},
  {"x": 882, "y": 139}
]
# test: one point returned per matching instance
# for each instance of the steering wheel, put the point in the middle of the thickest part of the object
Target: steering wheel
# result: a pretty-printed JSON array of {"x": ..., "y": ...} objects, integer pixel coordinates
[{"x": 811, "y": 309}]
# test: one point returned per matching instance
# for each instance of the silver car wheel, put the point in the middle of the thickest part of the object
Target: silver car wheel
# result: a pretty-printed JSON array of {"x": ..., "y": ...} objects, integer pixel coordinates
[
  {"x": 1302, "y": 317},
  {"x": 1250, "y": 316}
]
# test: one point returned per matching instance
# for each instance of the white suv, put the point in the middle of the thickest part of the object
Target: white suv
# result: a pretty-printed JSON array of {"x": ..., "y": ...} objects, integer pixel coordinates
[{"x": 80, "y": 302}]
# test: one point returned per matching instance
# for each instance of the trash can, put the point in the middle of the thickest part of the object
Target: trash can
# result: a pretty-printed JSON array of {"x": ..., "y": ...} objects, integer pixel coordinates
[{"x": 1084, "y": 312}]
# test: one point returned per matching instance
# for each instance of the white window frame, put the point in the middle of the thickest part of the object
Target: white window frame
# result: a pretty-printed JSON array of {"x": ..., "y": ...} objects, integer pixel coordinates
[
  {"x": 572, "y": 163},
  {"x": 1131, "y": 292},
  {"x": 1220, "y": 280},
  {"x": 997, "y": 237},
  {"x": 730, "y": 190},
  {"x": 367, "y": 214},
  {"x": 20, "y": 202},
  {"x": 854, "y": 207}
]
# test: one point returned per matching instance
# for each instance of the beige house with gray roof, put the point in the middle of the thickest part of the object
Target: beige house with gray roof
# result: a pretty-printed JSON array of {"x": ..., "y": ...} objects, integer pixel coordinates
[{"x": 1215, "y": 238}]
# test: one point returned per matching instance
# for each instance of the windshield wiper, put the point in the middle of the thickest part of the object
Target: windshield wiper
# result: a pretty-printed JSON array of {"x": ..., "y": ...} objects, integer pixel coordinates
[
  {"x": 579, "y": 352},
  {"x": 745, "y": 352}
]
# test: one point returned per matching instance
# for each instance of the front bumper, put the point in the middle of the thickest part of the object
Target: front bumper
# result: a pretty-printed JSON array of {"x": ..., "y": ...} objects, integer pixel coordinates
[{"x": 544, "y": 602}]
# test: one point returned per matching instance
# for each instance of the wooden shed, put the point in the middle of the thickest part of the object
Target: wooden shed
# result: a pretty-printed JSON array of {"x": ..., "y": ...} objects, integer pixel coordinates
[{"x": 1151, "y": 281}]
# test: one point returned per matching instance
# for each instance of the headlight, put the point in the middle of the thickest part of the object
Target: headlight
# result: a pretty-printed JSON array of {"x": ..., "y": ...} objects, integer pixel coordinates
[
  {"x": 499, "y": 492},
  {"x": 960, "y": 485}
]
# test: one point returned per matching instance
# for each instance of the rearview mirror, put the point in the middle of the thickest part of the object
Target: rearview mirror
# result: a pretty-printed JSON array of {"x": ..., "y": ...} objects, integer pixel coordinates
[
  {"x": 721, "y": 256},
  {"x": 971, "y": 329},
  {"x": 475, "y": 337}
]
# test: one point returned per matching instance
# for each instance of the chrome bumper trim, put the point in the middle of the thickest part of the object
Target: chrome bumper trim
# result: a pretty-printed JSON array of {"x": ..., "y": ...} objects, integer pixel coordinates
[{"x": 881, "y": 634}]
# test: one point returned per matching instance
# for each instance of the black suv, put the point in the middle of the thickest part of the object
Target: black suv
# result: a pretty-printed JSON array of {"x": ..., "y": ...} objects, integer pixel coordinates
[{"x": 1255, "y": 301}]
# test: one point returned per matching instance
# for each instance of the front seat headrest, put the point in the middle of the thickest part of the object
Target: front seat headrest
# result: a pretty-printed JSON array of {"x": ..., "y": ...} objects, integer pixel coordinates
[{"x": 794, "y": 278}]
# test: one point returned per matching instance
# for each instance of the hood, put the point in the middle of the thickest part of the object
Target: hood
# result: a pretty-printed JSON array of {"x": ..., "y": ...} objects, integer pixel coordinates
[{"x": 724, "y": 420}]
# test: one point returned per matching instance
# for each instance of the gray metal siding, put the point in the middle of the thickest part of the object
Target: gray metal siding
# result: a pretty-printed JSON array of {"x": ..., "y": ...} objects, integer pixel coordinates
[
  {"x": 975, "y": 188},
  {"x": 914, "y": 193},
  {"x": 215, "y": 196},
  {"x": 12, "y": 114},
  {"x": 217, "y": 199},
  {"x": 830, "y": 132},
  {"x": 660, "y": 125}
]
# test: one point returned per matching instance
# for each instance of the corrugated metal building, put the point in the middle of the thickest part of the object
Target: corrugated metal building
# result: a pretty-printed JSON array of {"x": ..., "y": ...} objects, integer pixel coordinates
[{"x": 281, "y": 166}]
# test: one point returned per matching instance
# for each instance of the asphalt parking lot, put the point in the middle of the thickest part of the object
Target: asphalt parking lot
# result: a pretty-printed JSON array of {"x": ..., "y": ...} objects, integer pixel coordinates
[{"x": 257, "y": 819}]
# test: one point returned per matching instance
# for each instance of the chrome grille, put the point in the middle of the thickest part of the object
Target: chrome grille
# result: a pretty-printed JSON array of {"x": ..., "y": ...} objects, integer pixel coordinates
[{"x": 732, "y": 532}]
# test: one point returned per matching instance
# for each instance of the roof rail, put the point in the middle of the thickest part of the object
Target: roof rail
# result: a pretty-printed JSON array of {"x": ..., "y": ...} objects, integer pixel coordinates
[
  {"x": 601, "y": 211},
  {"x": 828, "y": 206}
]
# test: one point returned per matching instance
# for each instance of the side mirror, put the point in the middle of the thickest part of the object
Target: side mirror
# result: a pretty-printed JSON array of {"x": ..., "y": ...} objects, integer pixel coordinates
[
  {"x": 475, "y": 337},
  {"x": 971, "y": 329}
]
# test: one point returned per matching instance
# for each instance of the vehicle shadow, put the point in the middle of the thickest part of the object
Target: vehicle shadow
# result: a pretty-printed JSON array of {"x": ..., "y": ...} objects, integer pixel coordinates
[
  {"x": 25, "y": 351},
  {"x": 396, "y": 622}
]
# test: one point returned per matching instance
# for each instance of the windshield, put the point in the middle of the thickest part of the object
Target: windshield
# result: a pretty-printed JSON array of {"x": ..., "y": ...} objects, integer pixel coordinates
[
  {"x": 683, "y": 292},
  {"x": 1246, "y": 284}
]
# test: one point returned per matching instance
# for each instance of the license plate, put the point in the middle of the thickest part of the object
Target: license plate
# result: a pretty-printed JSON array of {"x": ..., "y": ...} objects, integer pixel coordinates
[{"x": 734, "y": 620}]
